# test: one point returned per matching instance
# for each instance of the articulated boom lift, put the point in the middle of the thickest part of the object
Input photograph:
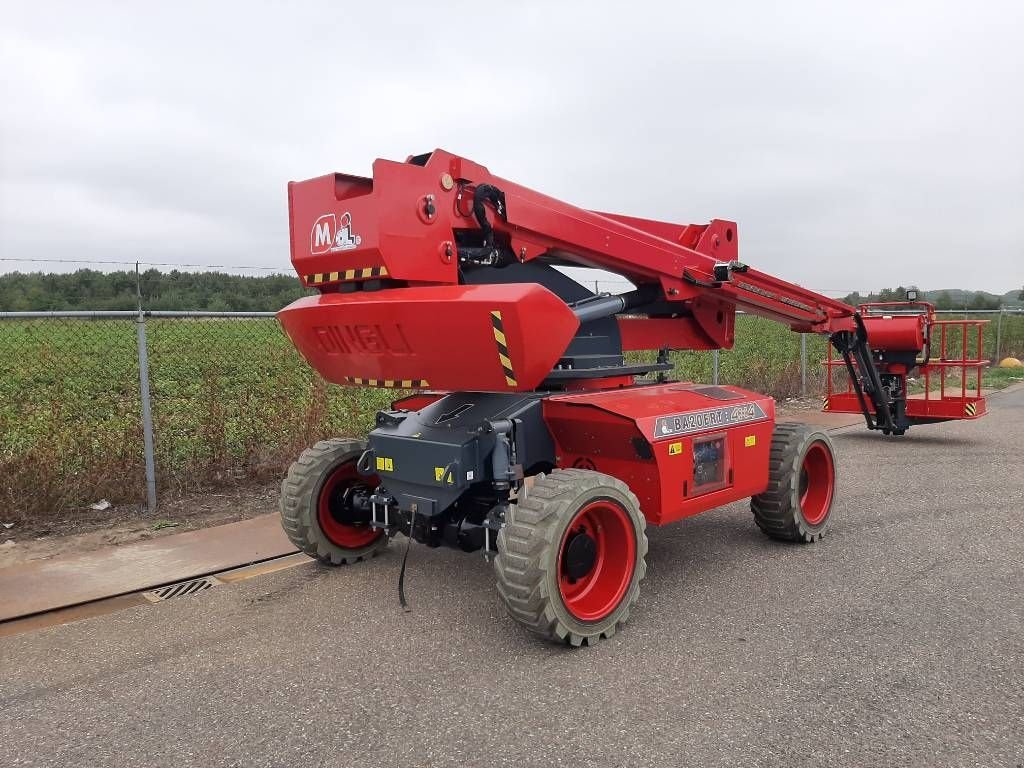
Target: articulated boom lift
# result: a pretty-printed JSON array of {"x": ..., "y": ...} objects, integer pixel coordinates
[{"x": 532, "y": 437}]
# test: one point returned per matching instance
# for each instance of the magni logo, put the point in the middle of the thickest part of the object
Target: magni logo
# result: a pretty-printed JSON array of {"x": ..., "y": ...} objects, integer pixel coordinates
[{"x": 331, "y": 234}]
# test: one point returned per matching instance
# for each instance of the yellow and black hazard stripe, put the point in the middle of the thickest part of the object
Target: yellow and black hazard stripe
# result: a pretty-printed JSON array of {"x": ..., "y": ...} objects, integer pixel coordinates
[
  {"x": 389, "y": 383},
  {"x": 825, "y": 404},
  {"x": 363, "y": 273},
  {"x": 503, "y": 355},
  {"x": 971, "y": 409}
]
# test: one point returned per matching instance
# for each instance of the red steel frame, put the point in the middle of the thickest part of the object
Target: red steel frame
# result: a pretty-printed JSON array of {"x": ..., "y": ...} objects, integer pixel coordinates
[{"x": 966, "y": 404}]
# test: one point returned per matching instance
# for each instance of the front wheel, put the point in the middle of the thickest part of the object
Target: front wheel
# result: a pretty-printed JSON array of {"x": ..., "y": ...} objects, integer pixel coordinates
[
  {"x": 317, "y": 512},
  {"x": 797, "y": 504},
  {"x": 571, "y": 556}
]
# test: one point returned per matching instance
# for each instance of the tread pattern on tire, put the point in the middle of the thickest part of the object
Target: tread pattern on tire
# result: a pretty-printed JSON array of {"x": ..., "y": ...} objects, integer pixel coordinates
[
  {"x": 299, "y": 491},
  {"x": 533, "y": 527},
  {"x": 777, "y": 510}
]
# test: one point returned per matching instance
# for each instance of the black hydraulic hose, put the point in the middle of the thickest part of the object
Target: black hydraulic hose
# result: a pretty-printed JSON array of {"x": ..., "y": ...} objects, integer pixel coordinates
[
  {"x": 487, "y": 254},
  {"x": 487, "y": 193}
]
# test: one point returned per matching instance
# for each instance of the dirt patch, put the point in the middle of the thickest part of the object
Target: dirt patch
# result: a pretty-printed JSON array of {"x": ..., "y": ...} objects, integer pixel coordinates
[{"x": 75, "y": 531}]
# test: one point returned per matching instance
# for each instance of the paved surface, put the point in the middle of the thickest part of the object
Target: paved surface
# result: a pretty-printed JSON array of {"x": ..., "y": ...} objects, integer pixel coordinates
[
  {"x": 818, "y": 418},
  {"x": 43, "y": 585},
  {"x": 899, "y": 640}
]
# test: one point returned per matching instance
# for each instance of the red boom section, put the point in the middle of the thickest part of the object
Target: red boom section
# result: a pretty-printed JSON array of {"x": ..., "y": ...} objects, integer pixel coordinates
[
  {"x": 385, "y": 252},
  {"x": 403, "y": 223}
]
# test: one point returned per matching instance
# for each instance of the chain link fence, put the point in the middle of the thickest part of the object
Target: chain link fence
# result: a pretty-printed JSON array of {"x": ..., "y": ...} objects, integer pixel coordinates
[
  {"x": 70, "y": 426},
  {"x": 230, "y": 399}
]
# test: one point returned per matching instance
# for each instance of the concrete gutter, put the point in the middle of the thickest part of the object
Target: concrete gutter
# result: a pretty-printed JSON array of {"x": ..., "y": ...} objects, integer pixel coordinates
[{"x": 45, "y": 585}]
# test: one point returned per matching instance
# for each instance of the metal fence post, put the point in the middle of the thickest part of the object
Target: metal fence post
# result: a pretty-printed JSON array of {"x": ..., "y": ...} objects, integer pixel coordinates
[
  {"x": 147, "y": 415},
  {"x": 714, "y": 368},
  {"x": 803, "y": 365},
  {"x": 999, "y": 335}
]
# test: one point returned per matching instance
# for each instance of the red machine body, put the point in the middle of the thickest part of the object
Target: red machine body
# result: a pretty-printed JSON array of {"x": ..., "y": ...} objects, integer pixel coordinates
[
  {"x": 603, "y": 429},
  {"x": 622, "y": 431},
  {"x": 534, "y": 436}
]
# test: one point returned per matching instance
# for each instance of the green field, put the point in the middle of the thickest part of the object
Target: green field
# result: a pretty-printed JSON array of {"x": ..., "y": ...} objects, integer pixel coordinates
[{"x": 233, "y": 401}]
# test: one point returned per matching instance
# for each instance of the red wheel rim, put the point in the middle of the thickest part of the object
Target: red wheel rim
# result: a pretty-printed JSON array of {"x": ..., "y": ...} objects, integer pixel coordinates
[
  {"x": 596, "y": 594},
  {"x": 340, "y": 534},
  {"x": 817, "y": 481}
]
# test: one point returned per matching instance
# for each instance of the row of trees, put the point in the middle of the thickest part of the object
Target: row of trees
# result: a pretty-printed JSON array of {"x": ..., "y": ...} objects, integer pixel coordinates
[
  {"x": 88, "y": 289},
  {"x": 941, "y": 299},
  {"x": 220, "y": 292}
]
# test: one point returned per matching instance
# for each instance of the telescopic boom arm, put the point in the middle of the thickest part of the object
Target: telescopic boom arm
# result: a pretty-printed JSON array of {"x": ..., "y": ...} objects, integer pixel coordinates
[{"x": 433, "y": 254}]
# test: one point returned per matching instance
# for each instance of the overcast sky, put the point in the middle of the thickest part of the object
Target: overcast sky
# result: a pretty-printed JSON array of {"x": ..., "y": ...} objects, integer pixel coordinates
[{"x": 858, "y": 147}]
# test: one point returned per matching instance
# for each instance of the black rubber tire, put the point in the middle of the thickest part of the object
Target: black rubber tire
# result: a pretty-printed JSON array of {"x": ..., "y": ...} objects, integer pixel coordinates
[
  {"x": 526, "y": 563},
  {"x": 300, "y": 493},
  {"x": 777, "y": 511}
]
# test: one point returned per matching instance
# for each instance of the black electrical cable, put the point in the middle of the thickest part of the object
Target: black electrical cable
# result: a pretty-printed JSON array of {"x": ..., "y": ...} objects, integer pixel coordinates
[{"x": 405, "y": 558}]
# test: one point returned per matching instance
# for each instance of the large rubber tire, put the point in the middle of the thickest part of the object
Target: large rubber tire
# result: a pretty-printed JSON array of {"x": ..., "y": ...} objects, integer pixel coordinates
[
  {"x": 301, "y": 493},
  {"x": 797, "y": 506},
  {"x": 537, "y": 531}
]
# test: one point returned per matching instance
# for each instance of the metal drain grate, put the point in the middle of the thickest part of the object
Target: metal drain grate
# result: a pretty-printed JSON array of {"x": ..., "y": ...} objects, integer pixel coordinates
[{"x": 181, "y": 589}]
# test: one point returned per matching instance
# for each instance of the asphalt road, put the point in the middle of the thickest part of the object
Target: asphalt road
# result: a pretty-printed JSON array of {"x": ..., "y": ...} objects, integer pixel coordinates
[{"x": 898, "y": 640}]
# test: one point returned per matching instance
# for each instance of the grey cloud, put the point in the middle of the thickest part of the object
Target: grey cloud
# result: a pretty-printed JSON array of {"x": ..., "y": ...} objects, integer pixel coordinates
[{"x": 856, "y": 146}]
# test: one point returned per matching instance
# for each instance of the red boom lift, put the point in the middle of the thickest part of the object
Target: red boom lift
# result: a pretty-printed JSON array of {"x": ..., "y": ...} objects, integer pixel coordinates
[{"x": 532, "y": 437}]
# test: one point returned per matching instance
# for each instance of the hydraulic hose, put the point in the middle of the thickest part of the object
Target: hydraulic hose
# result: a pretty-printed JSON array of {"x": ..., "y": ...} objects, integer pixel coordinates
[{"x": 487, "y": 254}]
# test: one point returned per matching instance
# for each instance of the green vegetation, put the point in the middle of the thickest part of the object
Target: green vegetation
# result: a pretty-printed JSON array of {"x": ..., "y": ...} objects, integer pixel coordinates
[
  {"x": 88, "y": 289},
  {"x": 950, "y": 298},
  {"x": 998, "y": 378},
  {"x": 991, "y": 378},
  {"x": 233, "y": 401},
  {"x": 765, "y": 358}
]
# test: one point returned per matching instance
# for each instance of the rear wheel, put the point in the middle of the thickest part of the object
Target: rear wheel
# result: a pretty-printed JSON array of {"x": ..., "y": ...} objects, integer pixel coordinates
[
  {"x": 571, "y": 556},
  {"x": 801, "y": 485},
  {"x": 316, "y": 509}
]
